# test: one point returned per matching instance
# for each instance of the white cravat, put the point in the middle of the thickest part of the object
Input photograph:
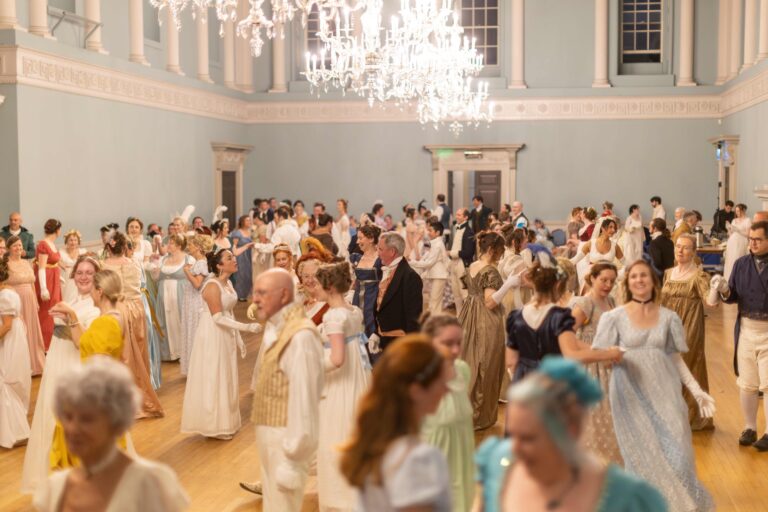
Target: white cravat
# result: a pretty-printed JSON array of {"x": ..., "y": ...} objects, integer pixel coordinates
[{"x": 389, "y": 269}]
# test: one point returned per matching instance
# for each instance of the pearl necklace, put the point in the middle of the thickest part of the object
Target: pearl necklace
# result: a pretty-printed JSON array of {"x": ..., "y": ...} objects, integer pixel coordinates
[{"x": 100, "y": 466}]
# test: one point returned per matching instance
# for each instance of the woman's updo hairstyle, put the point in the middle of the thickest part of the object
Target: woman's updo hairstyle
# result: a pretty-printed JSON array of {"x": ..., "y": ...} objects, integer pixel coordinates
[
  {"x": 51, "y": 226},
  {"x": 334, "y": 275},
  {"x": 218, "y": 226},
  {"x": 179, "y": 239},
  {"x": 85, "y": 258},
  {"x": 117, "y": 244},
  {"x": 506, "y": 233},
  {"x": 607, "y": 222},
  {"x": 110, "y": 284},
  {"x": 13, "y": 239},
  {"x": 204, "y": 243},
  {"x": 544, "y": 279},
  {"x": 214, "y": 260},
  {"x": 492, "y": 243},
  {"x": 660, "y": 225},
  {"x": 370, "y": 231},
  {"x": 432, "y": 324},
  {"x": 590, "y": 213},
  {"x": 597, "y": 268}
]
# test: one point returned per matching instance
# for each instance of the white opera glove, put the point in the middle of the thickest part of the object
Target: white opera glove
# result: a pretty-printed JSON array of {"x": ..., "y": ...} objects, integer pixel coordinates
[
  {"x": 713, "y": 297},
  {"x": 579, "y": 256},
  {"x": 231, "y": 323},
  {"x": 719, "y": 283},
  {"x": 373, "y": 344},
  {"x": 44, "y": 293},
  {"x": 513, "y": 281},
  {"x": 705, "y": 402},
  {"x": 287, "y": 476}
]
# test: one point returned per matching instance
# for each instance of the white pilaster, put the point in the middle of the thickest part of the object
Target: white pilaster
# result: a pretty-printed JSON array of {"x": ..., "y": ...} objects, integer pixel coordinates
[
  {"x": 8, "y": 14},
  {"x": 723, "y": 35},
  {"x": 685, "y": 78},
  {"x": 203, "y": 71},
  {"x": 601, "y": 44},
  {"x": 763, "y": 44},
  {"x": 243, "y": 57},
  {"x": 93, "y": 15},
  {"x": 38, "y": 18},
  {"x": 517, "y": 80},
  {"x": 279, "y": 81},
  {"x": 750, "y": 34},
  {"x": 735, "y": 45},
  {"x": 171, "y": 45},
  {"x": 229, "y": 54},
  {"x": 136, "y": 22}
]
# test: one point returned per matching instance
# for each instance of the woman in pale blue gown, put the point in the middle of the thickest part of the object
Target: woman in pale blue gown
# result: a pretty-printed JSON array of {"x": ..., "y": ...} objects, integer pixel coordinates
[
  {"x": 241, "y": 248},
  {"x": 650, "y": 417},
  {"x": 545, "y": 418}
]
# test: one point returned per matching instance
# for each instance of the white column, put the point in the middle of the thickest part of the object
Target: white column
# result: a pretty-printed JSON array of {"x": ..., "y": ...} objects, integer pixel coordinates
[
  {"x": 8, "y": 14},
  {"x": 685, "y": 78},
  {"x": 750, "y": 34},
  {"x": 601, "y": 44},
  {"x": 136, "y": 22},
  {"x": 723, "y": 35},
  {"x": 203, "y": 70},
  {"x": 517, "y": 80},
  {"x": 279, "y": 82},
  {"x": 243, "y": 57},
  {"x": 734, "y": 61},
  {"x": 763, "y": 48},
  {"x": 229, "y": 54},
  {"x": 38, "y": 18},
  {"x": 93, "y": 14},
  {"x": 171, "y": 45}
]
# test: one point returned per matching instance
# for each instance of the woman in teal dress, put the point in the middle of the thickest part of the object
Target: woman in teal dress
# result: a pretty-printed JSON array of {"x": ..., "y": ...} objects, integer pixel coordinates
[
  {"x": 450, "y": 428},
  {"x": 541, "y": 463}
]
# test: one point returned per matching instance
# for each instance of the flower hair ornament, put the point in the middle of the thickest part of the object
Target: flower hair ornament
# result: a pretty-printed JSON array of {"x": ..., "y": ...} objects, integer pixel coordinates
[{"x": 547, "y": 261}]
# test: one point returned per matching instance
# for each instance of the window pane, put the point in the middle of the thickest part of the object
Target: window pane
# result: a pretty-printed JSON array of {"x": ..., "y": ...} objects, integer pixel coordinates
[
  {"x": 466, "y": 18},
  {"x": 654, "y": 41},
  {"x": 492, "y": 3},
  {"x": 629, "y": 41},
  {"x": 492, "y": 17},
  {"x": 491, "y": 56},
  {"x": 641, "y": 30},
  {"x": 642, "y": 40},
  {"x": 491, "y": 37},
  {"x": 480, "y": 18}
]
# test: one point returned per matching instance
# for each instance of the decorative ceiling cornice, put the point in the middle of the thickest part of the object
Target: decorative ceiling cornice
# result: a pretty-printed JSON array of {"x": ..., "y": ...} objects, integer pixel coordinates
[{"x": 31, "y": 67}]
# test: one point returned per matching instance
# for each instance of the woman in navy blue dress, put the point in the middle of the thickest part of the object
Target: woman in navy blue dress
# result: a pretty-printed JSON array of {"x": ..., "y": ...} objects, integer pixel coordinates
[{"x": 367, "y": 268}]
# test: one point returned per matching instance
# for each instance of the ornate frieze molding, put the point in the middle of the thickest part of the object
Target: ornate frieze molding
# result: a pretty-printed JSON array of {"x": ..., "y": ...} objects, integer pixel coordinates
[{"x": 32, "y": 67}]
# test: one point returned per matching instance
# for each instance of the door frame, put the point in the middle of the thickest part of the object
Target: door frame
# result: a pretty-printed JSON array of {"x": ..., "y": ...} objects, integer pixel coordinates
[
  {"x": 732, "y": 143},
  {"x": 229, "y": 157},
  {"x": 475, "y": 157}
]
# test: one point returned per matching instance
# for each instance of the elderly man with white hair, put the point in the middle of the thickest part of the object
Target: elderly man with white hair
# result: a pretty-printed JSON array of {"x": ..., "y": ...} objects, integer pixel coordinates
[
  {"x": 288, "y": 381},
  {"x": 96, "y": 404},
  {"x": 519, "y": 220},
  {"x": 679, "y": 213}
]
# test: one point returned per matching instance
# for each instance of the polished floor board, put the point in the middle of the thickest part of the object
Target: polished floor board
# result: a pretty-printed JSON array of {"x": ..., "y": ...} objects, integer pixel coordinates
[{"x": 210, "y": 470}]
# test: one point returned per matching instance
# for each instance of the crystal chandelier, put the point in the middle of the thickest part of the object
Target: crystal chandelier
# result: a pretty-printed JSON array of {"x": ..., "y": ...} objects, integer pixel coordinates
[{"x": 424, "y": 59}]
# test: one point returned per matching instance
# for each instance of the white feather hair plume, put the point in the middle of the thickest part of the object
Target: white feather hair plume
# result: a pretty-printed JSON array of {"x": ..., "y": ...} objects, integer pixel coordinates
[{"x": 218, "y": 213}]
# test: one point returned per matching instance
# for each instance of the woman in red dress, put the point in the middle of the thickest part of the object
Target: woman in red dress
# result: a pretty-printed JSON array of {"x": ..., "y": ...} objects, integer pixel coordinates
[{"x": 48, "y": 284}]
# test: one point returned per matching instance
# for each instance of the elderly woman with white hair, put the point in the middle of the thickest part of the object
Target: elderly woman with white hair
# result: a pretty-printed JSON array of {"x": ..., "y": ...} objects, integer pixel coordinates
[
  {"x": 96, "y": 404},
  {"x": 541, "y": 462}
]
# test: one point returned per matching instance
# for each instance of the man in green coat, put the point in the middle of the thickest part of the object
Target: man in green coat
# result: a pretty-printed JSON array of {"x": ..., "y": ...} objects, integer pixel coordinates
[{"x": 14, "y": 227}]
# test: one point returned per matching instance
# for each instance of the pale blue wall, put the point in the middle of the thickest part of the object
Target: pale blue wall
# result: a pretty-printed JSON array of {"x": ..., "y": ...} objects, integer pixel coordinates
[
  {"x": 9, "y": 155},
  {"x": 94, "y": 161},
  {"x": 751, "y": 125},
  {"x": 564, "y": 163}
]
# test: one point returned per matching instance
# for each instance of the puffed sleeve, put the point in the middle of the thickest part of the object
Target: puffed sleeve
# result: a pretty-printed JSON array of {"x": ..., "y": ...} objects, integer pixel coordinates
[
  {"x": 9, "y": 306},
  {"x": 421, "y": 479},
  {"x": 512, "y": 331},
  {"x": 160, "y": 490},
  {"x": 702, "y": 284},
  {"x": 607, "y": 334},
  {"x": 562, "y": 321},
  {"x": 675, "y": 333},
  {"x": 333, "y": 321},
  {"x": 200, "y": 268},
  {"x": 491, "y": 279}
]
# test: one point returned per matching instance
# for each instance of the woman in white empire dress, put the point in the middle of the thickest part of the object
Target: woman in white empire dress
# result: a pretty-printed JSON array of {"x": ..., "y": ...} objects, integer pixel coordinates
[
  {"x": 340, "y": 231},
  {"x": 347, "y": 376},
  {"x": 737, "y": 245},
  {"x": 171, "y": 279},
  {"x": 69, "y": 255},
  {"x": 15, "y": 367},
  {"x": 211, "y": 399},
  {"x": 62, "y": 356},
  {"x": 634, "y": 235}
]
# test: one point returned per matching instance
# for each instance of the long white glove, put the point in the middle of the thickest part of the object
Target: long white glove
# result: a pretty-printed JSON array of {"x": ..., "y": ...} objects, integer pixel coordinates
[
  {"x": 230, "y": 323},
  {"x": 44, "y": 293},
  {"x": 713, "y": 297},
  {"x": 720, "y": 283},
  {"x": 705, "y": 402},
  {"x": 513, "y": 281}
]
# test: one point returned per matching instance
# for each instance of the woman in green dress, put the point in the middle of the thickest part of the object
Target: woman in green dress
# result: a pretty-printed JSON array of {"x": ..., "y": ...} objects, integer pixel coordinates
[
  {"x": 450, "y": 428},
  {"x": 540, "y": 465}
]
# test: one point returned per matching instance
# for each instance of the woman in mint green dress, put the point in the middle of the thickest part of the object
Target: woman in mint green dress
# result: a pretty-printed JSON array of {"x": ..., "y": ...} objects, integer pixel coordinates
[
  {"x": 450, "y": 428},
  {"x": 541, "y": 464}
]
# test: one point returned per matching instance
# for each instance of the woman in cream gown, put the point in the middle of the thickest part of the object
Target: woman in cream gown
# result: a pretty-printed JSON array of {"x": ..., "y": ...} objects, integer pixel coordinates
[
  {"x": 62, "y": 356},
  {"x": 340, "y": 230},
  {"x": 737, "y": 245},
  {"x": 69, "y": 255},
  {"x": 15, "y": 374},
  {"x": 170, "y": 277},
  {"x": 634, "y": 235}
]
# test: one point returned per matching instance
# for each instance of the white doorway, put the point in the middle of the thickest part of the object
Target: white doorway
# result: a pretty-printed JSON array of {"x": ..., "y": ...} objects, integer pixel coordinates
[{"x": 228, "y": 165}]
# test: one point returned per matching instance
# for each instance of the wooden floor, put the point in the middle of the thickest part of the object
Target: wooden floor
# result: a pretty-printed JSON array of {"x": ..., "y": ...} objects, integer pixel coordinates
[{"x": 210, "y": 470}]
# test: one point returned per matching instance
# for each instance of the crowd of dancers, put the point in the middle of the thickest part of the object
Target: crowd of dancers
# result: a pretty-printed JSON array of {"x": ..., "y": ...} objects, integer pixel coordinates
[{"x": 365, "y": 376}]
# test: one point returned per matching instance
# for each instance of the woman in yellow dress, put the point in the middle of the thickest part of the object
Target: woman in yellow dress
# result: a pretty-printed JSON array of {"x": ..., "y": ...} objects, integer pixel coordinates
[{"x": 103, "y": 336}]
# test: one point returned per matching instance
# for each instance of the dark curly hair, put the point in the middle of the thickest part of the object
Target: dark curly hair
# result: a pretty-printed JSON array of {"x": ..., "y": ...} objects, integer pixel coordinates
[
  {"x": 335, "y": 275},
  {"x": 51, "y": 226}
]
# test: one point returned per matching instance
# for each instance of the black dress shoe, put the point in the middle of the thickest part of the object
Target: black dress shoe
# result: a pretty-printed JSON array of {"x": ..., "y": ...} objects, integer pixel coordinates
[
  {"x": 748, "y": 437},
  {"x": 762, "y": 444}
]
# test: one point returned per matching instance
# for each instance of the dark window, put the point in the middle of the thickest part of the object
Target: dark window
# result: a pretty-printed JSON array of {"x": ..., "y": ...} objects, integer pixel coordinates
[{"x": 641, "y": 27}]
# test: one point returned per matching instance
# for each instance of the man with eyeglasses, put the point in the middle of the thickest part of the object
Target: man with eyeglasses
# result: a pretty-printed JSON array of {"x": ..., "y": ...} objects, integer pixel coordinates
[{"x": 748, "y": 287}]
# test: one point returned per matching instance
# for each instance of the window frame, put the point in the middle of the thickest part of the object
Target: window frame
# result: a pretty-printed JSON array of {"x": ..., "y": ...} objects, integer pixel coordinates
[
  {"x": 501, "y": 43},
  {"x": 665, "y": 66}
]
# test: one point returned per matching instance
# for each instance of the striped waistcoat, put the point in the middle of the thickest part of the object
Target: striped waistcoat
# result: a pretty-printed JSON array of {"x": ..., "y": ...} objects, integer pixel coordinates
[{"x": 270, "y": 398}]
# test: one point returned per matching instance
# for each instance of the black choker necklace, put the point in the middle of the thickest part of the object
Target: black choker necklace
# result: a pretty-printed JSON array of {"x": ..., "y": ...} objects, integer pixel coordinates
[{"x": 642, "y": 302}]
